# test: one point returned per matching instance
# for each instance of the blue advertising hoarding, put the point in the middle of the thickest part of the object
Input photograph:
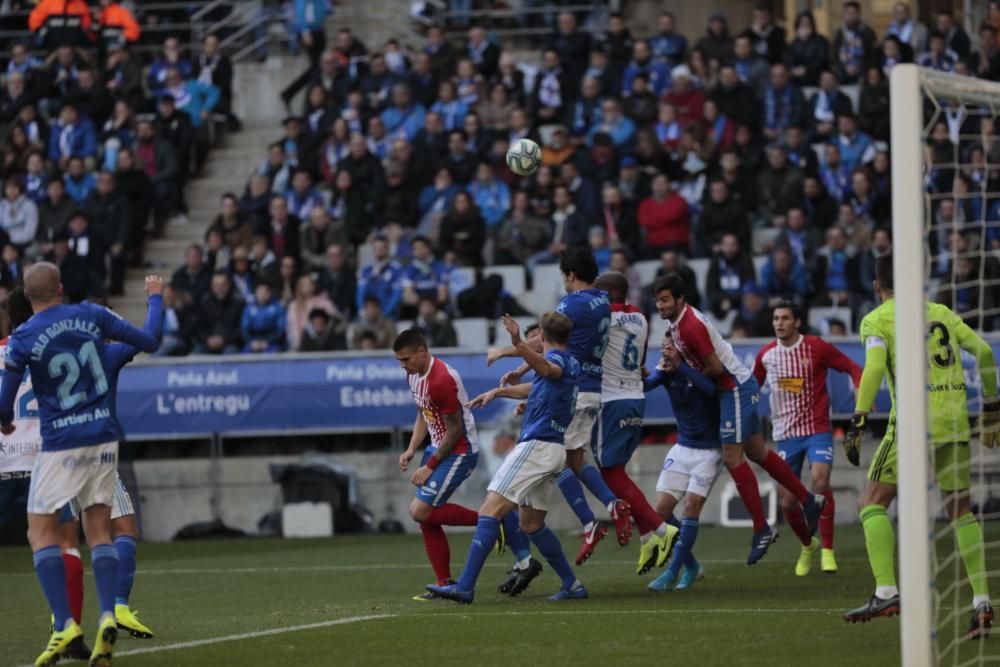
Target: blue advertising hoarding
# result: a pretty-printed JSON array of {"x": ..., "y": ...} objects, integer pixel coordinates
[{"x": 343, "y": 392}]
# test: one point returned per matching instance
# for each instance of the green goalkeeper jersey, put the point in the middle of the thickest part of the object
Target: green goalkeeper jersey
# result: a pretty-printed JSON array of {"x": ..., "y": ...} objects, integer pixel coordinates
[{"x": 947, "y": 335}]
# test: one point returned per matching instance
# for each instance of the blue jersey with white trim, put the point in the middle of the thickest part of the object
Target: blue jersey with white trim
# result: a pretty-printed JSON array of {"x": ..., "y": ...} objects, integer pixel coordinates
[
  {"x": 696, "y": 407},
  {"x": 551, "y": 403},
  {"x": 64, "y": 348},
  {"x": 590, "y": 312}
]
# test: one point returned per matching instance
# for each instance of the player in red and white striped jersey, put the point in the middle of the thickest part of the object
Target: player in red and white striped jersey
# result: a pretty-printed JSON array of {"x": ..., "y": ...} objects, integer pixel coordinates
[
  {"x": 451, "y": 456},
  {"x": 794, "y": 368}
]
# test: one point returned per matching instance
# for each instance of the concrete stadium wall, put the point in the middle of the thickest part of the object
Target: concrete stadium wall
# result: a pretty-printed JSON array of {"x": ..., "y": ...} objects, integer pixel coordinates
[{"x": 175, "y": 493}]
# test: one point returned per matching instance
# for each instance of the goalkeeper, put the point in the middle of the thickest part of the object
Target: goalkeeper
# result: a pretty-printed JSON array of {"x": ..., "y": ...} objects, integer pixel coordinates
[{"x": 949, "y": 436}]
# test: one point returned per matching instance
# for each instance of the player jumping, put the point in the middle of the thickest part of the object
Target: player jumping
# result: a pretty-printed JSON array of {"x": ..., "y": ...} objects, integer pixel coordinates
[
  {"x": 949, "y": 434},
  {"x": 692, "y": 465},
  {"x": 63, "y": 347},
  {"x": 703, "y": 348},
  {"x": 525, "y": 478},
  {"x": 794, "y": 367},
  {"x": 619, "y": 428},
  {"x": 589, "y": 310},
  {"x": 451, "y": 457}
]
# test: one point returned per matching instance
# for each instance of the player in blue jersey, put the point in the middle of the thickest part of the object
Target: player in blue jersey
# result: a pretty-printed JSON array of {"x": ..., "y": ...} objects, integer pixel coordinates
[
  {"x": 63, "y": 347},
  {"x": 589, "y": 309},
  {"x": 692, "y": 465},
  {"x": 525, "y": 479}
]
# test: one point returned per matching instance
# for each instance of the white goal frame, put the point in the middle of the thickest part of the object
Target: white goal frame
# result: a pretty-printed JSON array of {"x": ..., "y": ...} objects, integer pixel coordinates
[{"x": 907, "y": 84}]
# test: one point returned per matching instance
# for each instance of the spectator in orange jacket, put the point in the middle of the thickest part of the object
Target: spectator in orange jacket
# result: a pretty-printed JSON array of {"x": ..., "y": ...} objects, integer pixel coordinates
[
  {"x": 117, "y": 25},
  {"x": 61, "y": 22}
]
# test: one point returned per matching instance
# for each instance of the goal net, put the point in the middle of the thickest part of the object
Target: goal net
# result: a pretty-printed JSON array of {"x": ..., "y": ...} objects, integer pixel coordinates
[{"x": 944, "y": 138}]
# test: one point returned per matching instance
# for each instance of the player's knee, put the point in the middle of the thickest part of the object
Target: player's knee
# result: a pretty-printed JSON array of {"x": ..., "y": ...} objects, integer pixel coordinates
[
  {"x": 420, "y": 511},
  {"x": 789, "y": 504},
  {"x": 530, "y": 522},
  {"x": 574, "y": 460},
  {"x": 821, "y": 484},
  {"x": 693, "y": 506}
]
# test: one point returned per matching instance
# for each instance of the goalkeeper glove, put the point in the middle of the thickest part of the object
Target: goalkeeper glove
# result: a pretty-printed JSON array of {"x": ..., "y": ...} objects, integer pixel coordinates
[
  {"x": 989, "y": 422},
  {"x": 852, "y": 441}
]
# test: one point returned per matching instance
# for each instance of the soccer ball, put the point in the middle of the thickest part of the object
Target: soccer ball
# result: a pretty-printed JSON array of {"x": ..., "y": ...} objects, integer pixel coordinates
[{"x": 524, "y": 157}]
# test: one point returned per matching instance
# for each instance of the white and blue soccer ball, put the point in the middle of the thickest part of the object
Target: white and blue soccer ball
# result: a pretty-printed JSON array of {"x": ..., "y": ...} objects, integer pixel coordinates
[{"x": 524, "y": 157}]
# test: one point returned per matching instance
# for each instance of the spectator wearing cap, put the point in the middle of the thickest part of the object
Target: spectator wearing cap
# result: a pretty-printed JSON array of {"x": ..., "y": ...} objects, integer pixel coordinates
[
  {"x": 381, "y": 280},
  {"x": 615, "y": 124},
  {"x": 572, "y": 45},
  {"x": 262, "y": 325},
  {"x": 373, "y": 324},
  {"x": 657, "y": 73},
  {"x": 782, "y": 104},
  {"x": 170, "y": 58},
  {"x": 687, "y": 100},
  {"x": 72, "y": 136},
  {"x": 553, "y": 91},
  {"x": 854, "y": 45},
  {"x": 322, "y": 333},
  {"x": 18, "y": 215},
  {"x": 716, "y": 44},
  {"x": 668, "y": 45},
  {"x": 808, "y": 53},
  {"x": 78, "y": 181},
  {"x": 404, "y": 118}
]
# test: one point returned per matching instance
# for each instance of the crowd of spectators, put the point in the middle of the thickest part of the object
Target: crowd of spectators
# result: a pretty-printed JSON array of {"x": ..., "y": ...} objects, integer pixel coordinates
[
  {"x": 387, "y": 181},
  {"x": 95, "y": 153}
]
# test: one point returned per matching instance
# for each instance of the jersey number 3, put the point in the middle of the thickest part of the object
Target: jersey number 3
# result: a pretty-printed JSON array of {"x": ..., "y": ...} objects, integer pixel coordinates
[
  {"x": 945, "y": 355},
  {"x": 65, "y": 365},
  {"x": 604, "y": 329}
]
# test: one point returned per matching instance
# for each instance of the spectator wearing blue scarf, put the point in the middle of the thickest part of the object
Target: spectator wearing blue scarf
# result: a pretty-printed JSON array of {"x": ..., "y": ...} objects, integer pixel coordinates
[{"x": 783, "y": 103}]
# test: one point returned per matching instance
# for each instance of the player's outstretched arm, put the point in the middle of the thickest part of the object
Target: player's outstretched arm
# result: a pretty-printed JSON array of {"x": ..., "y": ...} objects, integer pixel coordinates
[
  {"x": 876, "y": 357},
  {"x": 542, "y": 366},
  {"x": 518, "y": 392}
]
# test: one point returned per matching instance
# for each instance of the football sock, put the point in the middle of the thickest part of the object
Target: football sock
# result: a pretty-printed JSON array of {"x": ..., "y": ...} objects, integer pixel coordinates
[
  {"x": 487, "y": 531},
  {"x": 826, "y": 520},
  {"x": 125, "y": 546},
  {"x": 550, "y": 548},
  {"x": 646, "y": 518},
  {"x": 74, "y": 582},
  {"x": 880, "y": 542},
  {"x": 782, "y": 474},
  {"x": 683, "y": 547},
  {"x": 969, "y": 536},
  {"x": 746, "y": 486},
  {"x": 592, "y": 479},
  {"x": 797, "y": 522},
  {"x": 516, "y": 539},
  {"x": 438, "y": 551},
  {"x": 52, "y": 576},
  {"x": 451, "y": 514},
  {"x": 572, "y": 491},
  {"x": 104, "y": 561}
]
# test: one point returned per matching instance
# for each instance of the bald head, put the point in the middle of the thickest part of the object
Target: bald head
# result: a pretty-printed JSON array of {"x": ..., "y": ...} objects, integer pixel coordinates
[
  {"x": 42, "y": 285},
  {"x": 615, "y": 284}
]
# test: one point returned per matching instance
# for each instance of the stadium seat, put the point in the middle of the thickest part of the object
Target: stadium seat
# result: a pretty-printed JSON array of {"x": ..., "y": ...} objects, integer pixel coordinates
[
  {"x": 546, "y": 277},
  {"x": 647, "y": 270},
  {"x": 758, "y": 264},
  {"x": 819, "y": 318},
  {"x": 537, "y": 301},
  {"x": 657, "y": 330},
  {"x": 700, "y": 268},
  {"x": 513, "y": 277},
  {"x": 472, "y": 331}
]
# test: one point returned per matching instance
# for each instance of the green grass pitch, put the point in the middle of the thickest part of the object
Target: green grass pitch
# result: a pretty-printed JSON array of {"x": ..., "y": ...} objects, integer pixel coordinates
[{"x": 209, "y": 602}]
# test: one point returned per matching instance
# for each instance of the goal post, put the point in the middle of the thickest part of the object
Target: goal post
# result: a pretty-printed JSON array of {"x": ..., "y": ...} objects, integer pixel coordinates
[
  {"x": 909, "y": 278},
  {"x": 945, "y": 160}
]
